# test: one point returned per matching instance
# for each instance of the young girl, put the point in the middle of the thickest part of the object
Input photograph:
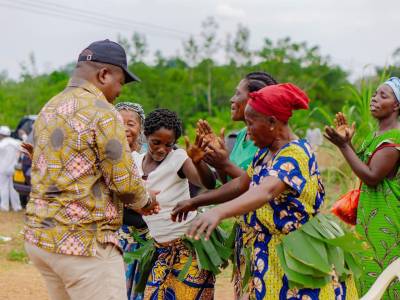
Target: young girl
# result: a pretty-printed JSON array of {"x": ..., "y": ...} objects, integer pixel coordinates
[{"x": 169, "y": 171}]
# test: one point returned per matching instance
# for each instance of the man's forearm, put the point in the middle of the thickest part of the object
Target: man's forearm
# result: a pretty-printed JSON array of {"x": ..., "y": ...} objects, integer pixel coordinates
[{"x": 138, "y": 199}]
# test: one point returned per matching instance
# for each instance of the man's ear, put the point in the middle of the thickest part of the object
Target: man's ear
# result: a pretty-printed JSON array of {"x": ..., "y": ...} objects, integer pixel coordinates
[{"x": 102, "y": 75}]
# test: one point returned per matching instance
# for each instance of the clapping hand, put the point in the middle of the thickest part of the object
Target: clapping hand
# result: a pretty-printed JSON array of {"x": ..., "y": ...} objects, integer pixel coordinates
[
  {"x": 217, "y": 156},
  {"x": 342, "y": 133},
  {"x": 204, "y": 129},
  {"x": 198, "y": 150}
]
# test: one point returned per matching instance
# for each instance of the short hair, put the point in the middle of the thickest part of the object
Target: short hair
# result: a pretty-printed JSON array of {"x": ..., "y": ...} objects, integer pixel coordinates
[{"x": 163, "y": 118}]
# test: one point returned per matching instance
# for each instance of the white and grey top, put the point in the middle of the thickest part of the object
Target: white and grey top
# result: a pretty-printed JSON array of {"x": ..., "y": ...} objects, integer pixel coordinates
[{"x": 172, "y": 189}]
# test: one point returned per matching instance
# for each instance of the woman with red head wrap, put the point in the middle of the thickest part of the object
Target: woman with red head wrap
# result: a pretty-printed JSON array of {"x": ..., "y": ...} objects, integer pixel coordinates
[{"x": 280, "y": 192}]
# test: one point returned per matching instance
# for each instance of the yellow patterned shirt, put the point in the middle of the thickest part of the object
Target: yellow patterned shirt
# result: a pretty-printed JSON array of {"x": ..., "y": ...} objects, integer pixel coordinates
[{"x": 81, "y": 162}]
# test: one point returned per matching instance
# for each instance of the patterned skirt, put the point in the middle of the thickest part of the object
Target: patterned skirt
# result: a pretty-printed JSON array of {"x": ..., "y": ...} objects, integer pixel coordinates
[
  {"x": 163, "y": 282},
  {"x": 128, "y": 244},
  {"x": 267, "y": 280}
]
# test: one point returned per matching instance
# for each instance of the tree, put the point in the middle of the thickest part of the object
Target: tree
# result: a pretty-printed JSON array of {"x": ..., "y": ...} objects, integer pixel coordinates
[
  {"x": 241, "y": 51},
  {"x": 191, "y": 52},
  {"x": 3, "y": 76},
  {"x": 29, "y": 69},
  {"x": 209, "y": 47},
  {"x": 124, "y": 42},
  {"x": 160, "y": 60},
  {"x": 139, "y": 47}
]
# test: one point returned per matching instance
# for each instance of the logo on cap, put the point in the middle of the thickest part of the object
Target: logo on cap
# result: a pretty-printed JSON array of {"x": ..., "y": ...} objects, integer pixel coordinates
[{"x": 88, "y": 53}]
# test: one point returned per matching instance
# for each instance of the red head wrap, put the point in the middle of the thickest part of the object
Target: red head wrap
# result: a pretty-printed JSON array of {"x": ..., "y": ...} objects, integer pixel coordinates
[{"x": 279, "y": 100}]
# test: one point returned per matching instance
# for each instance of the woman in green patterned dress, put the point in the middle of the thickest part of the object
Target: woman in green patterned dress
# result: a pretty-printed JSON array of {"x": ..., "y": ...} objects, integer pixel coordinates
[{"x": 378, "y": 213}]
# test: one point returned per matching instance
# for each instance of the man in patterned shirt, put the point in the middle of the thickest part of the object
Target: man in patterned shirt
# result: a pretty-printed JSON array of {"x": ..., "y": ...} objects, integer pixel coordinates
[{"x": 82, "y": 174}]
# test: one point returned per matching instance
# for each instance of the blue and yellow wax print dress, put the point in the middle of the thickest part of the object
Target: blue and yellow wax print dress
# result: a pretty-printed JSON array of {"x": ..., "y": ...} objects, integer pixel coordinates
[
  {"x": 295, "y": 164},
  {"x": 163, "y": 282}
]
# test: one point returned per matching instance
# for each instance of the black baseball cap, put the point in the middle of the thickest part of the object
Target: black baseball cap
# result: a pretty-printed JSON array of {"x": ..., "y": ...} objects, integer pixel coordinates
[{"x": 108, "y": 52}]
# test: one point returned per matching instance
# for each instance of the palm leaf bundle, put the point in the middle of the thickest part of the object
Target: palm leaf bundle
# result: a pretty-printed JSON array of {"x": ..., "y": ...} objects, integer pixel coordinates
[
  {"x": 211, "y": 255},
  {"x": 319, "y": 249},
  {"x": 145, "y": 256}
]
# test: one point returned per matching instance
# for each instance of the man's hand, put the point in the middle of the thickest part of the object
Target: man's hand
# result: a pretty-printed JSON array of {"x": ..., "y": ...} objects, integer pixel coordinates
[
  {"x": 205, "y": 224},
  {"x": 153, "y": 207},
  {"x": 182, "y": 209}
]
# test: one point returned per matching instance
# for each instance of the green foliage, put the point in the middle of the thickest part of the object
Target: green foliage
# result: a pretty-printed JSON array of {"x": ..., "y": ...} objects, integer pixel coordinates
[
  {"x": 196, "y": 87},
  {"x": 17, "y": 255},
  {"x": 193, "y": 85},
  {"x": 310, "y": 254}
]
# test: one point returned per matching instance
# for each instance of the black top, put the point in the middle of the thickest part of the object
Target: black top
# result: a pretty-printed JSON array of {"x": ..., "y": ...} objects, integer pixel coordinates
[{"x": 132, "y": 218}]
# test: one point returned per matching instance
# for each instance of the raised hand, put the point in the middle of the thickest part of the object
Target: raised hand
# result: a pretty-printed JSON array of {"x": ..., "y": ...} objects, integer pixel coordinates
[
  {"x": 204, "y": 129},
  {"x": 182, "y": 209},
  {"x": 217, "y": 156},
  {"x": 342, "y": 133},
  {"x": 342, "y": 125},
  {"x": 198, "y": 150}
]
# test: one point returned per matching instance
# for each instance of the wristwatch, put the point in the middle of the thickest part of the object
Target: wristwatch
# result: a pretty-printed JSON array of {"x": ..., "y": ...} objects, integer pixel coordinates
[{"x": 149, "y": 201}]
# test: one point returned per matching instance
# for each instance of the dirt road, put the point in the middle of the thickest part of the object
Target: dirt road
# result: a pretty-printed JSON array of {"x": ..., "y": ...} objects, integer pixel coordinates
[{"x": 19, "y": 280}]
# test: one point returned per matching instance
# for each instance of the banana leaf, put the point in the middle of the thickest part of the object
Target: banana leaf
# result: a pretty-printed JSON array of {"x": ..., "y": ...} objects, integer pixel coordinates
[
  {"x": 299, "y": 267},
  {"x": 136, "y": 236},
  {"x": 212, "y": 254},
  {"x": 211, "y": 251},
  {"x": 336, "y": 258},
  {"x": 296, "y": 278},
  {"x": 247, "y": 272},
  {"x": 203, "y": 260},
  {"x": 298, "y": 246},
  {"x": 348, "y": 242},
  {"x": 224, "y": 251},
  {"x": 354, "y": 264},
  {"x": 230, "y": 241},
  {"x": 139, "y": 254},
  {"x": 185, "y": 269},
  {"x": 320, "y": 247},
  {"x": 145, "y": 267}
]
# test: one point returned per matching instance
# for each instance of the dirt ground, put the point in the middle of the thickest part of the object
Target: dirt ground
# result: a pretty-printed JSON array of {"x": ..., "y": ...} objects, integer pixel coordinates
[{"x": 19, "y": 280}]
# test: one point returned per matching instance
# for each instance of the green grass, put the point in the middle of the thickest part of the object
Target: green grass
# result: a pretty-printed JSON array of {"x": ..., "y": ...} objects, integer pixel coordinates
[{"x": 17, "y": 255}]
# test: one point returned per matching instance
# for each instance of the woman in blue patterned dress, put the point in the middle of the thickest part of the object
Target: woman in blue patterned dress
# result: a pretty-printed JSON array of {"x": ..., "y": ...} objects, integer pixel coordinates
[{"x": 280, "y": 192}]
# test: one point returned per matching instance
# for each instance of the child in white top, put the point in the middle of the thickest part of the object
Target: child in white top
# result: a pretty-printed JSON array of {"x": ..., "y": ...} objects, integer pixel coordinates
[{"x": 169, "y": 171}]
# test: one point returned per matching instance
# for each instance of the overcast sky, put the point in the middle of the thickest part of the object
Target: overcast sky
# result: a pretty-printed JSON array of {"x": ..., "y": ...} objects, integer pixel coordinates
[{"x": 355, "y": 33}]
